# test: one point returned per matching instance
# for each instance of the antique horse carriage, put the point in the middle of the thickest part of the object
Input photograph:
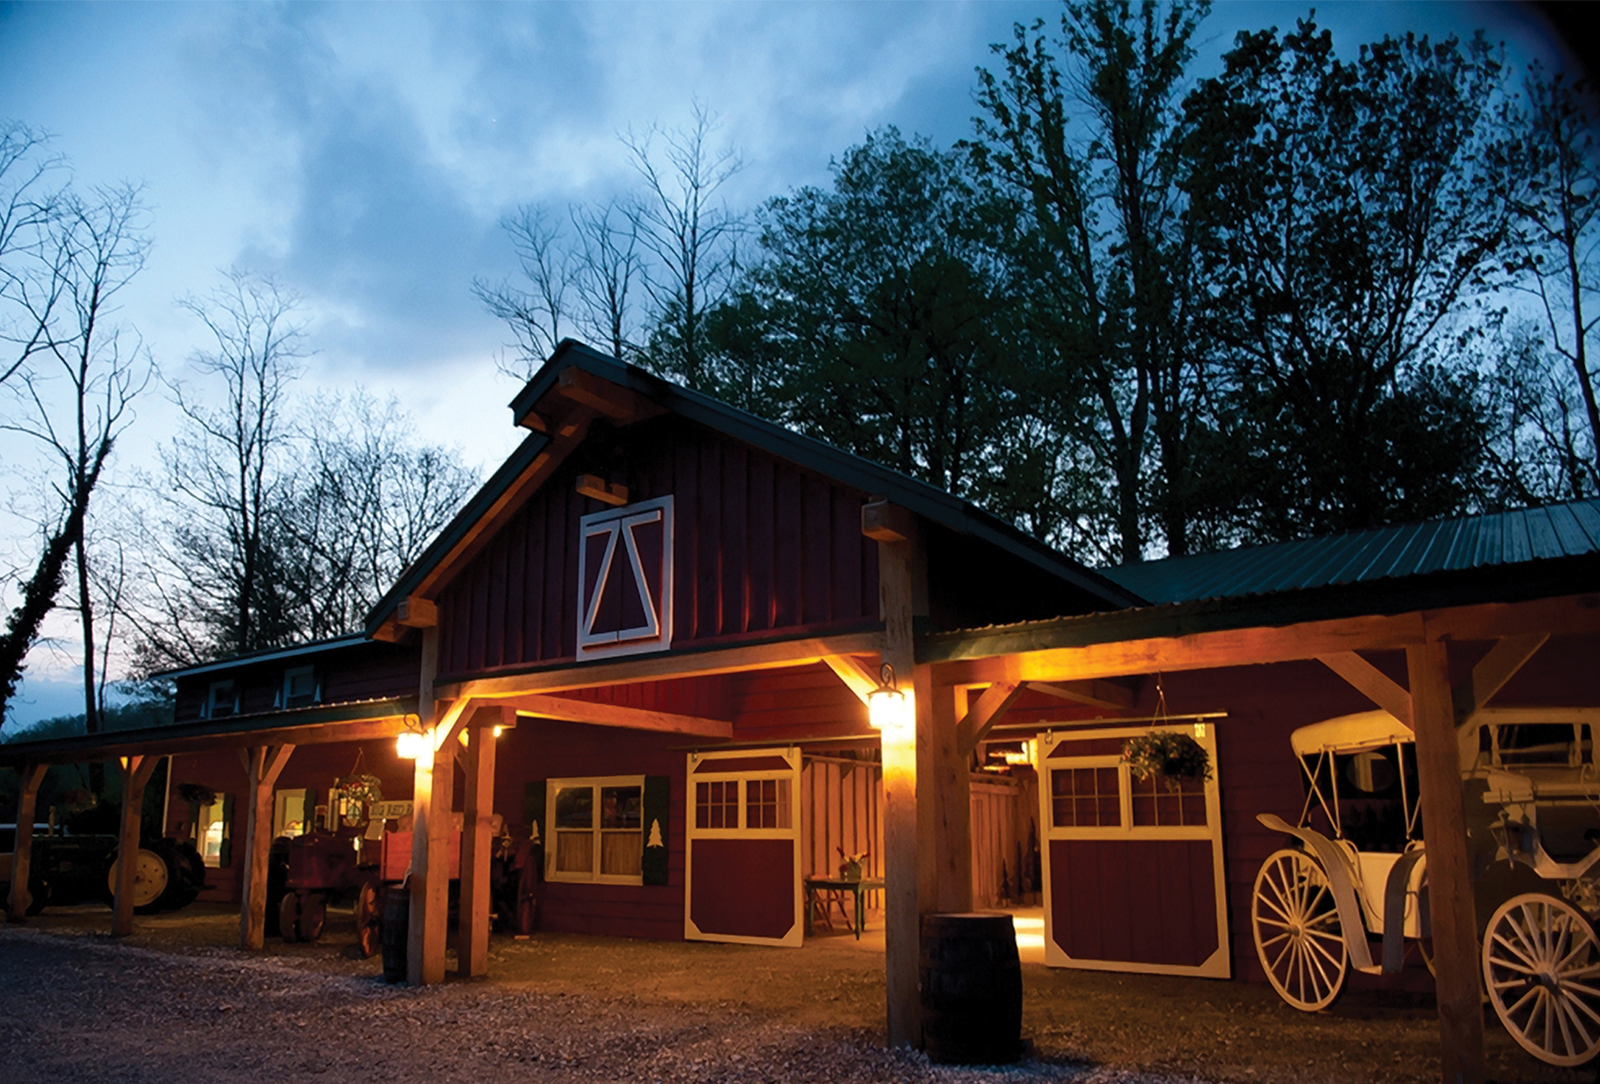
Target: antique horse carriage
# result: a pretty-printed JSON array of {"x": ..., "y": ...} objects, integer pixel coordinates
[{"x": 1357, "y": 870}]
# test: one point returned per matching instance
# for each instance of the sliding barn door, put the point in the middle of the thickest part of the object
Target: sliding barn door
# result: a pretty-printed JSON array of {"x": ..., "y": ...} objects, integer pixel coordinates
[
  {"x": 1133, "y": 874},
  {"x": 743, "y": 862}
]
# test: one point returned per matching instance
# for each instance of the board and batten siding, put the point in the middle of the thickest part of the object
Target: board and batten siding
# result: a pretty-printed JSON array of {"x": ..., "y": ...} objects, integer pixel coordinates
[{"x": 760, "y": 546}]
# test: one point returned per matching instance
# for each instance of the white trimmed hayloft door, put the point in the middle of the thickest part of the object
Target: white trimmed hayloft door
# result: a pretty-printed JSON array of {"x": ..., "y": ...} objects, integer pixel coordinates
[
  {"x": 1133, "y": 873},
  {"x": 742, "y": 878}
]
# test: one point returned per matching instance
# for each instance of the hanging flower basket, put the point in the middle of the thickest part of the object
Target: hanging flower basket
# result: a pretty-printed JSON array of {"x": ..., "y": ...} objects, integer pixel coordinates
[
  {"x": 1172, "y": 757},
  {"x": 360, "y": 788},
  {"x": 197, "y": 794}
]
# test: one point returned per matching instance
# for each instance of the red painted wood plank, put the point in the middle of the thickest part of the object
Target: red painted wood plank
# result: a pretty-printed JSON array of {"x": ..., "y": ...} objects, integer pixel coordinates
[
  {"x": 734, "y": 555},
  {"x": 761, "y": 542},
  {"x": 818, "y": 551},
  {"x": 708, "y": 554}
]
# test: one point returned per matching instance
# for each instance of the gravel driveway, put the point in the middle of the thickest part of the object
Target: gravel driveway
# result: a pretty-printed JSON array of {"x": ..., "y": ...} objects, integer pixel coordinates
[{"x": 85, "y": 1009}]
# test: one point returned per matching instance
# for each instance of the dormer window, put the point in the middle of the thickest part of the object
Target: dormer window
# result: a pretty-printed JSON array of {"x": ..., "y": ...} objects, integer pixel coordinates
[
  {"x": 223, "y": 699},
  {"x": 300, "y": 687}
]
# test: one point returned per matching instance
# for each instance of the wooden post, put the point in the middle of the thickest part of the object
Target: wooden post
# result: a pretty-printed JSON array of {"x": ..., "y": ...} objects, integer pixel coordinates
[
  {"x": 262, "y": 766},
  {"x": 31, "y": 777},
  {"x": 907, "y": 821},
  {"x": 477, "y": 842},
  {"x": 136, "y": 772},
  {"x": 1455, "y": 926},
  {"x": 431, "y": 800},
  {"x": 943, "y": 776}
]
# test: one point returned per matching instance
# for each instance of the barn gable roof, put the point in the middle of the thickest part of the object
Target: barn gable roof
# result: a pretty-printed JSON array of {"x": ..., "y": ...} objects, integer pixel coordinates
[{"x": 577, "y": 373}]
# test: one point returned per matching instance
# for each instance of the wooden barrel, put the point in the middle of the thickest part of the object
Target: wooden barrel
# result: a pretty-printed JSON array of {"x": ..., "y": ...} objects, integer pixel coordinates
[
  {"x": 396, "y": 932},
  {"x": 971, "y": 990}
]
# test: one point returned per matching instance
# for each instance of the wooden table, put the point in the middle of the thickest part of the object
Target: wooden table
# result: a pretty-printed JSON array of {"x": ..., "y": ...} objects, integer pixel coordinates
[{"x": 830, "y": 885}]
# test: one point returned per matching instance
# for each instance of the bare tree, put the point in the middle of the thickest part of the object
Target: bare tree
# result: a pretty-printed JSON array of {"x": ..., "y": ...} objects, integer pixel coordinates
[
  {"x": 30, "y": 206},
  {"x": 535, "y": 314},
  {"x": 1559, "y": 229},
  {"x": 226, "y": 475},
  {"x": 609, "y": 264},
  {"x": 75, "y": 396},
  {"x": 684, "y": 224}
]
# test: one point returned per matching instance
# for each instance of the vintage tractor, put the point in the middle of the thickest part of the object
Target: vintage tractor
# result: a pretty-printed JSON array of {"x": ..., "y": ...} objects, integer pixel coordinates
[{"x": 1357, "y": 869}]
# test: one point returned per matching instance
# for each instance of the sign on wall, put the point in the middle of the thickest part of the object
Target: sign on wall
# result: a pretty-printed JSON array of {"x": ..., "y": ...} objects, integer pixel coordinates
[{"x": 625, "y": 580}]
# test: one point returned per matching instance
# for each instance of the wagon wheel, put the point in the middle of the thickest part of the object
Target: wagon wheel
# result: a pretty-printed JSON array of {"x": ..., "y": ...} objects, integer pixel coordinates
[
  {"x": 1541, "y": 963},
  {"x": 150, "y": 878},
  {"x": 313, "y": 916},
  {"x": 289, "y": 916},
  {"x": 369, "y": 919},
  {"x": 1298, "y": 937}
]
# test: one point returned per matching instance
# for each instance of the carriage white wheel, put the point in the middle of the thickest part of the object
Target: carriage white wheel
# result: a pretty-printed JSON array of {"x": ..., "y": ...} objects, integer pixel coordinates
[
  {"x": 1298, "y": 936},
  {"x": 1541, "y": 965}
]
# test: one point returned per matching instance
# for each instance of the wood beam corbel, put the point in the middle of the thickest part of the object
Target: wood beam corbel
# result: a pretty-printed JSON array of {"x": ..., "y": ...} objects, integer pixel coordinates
[
  {"x": 1371, "y": 682},
  {"x": 30, "y": 777},
  {"x": 416, "y": 612},
  {"x": 856, "y": 676},
  {"x": 615, "y": 402},
  {"x": 136, "y": 772},
  {"x": 983, "y": 715},
  {"x": 1094, "y": 694},
  {"x": 1490, "y": 675},
  {"x": 263, "y": 764}
]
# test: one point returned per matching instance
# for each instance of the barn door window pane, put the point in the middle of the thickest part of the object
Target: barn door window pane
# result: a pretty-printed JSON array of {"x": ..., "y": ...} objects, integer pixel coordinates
[
  {"x": 716, "y": 804},
  {"x": 1085, "y": 798}
]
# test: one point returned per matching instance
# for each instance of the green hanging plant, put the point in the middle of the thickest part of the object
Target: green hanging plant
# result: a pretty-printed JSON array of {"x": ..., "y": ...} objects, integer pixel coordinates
[{"x": 1169, "y": 755}]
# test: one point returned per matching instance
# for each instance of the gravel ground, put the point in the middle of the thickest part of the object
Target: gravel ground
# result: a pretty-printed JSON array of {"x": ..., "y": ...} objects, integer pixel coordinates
[
  {"x": 85, "y": 1009},
  {"x": 177, "y": 1002}
]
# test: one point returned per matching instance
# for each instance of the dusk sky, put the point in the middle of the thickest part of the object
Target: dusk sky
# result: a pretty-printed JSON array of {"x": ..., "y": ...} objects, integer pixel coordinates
[{"x": 364, "y": 154}]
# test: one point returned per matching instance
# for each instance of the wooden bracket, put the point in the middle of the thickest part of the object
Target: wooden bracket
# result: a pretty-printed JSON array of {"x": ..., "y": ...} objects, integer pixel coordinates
[
  {"x": 592, "y": 485},
  {"x": 417, "y": 612},
  {"x": 1372, "y": 683},
  {"x": 1094, "y": 694},
  {"x": 615, "y": 402},
  {"x": 886, "y": 522},
  {"x": 859, "y": 679},
  {"x": 982, "y": 716},
  {"x": 1496, "y": 668}
]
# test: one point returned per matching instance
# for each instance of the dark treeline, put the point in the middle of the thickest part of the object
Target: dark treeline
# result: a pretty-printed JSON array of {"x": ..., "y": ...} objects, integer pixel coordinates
[{"x": 1137, "y": 312}]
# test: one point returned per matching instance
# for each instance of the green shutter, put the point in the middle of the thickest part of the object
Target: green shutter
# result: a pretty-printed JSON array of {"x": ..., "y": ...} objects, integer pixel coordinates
[
  {"x": 225, "y": 856},
  {"x": 657, "y": 810}
]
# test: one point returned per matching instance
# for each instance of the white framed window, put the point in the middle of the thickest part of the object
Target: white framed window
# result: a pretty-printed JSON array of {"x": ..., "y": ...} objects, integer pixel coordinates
[
  {"x": 213, "y": 833},
  {"x": 289, "y": 813},
  {"x": 752, "y": 804},
  {"x": 300, "y": 687},
  {"x": 595, "y": 829},
  {"x": 222, "y": 700}
]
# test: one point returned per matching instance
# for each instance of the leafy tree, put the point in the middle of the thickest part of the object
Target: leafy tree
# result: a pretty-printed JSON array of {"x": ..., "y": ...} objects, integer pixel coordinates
[
  {"x": 1090, "y": 149},
  {"x": 1349, "y": 215},
  {"x": 877, "y": 317}
]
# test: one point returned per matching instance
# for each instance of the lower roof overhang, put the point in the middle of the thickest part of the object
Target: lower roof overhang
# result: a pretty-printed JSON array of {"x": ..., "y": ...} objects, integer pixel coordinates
[{"x": 318, "y": 725}]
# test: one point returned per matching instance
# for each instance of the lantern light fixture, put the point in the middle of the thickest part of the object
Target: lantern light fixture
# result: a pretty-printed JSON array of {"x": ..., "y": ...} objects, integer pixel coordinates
[
  {"x": 409, "y": 745},
  {"x": 888, "y": 708}
]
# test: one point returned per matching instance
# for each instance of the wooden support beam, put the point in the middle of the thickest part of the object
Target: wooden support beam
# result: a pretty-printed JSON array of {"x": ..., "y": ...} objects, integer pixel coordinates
[
  {"x": 1492, "y": 672},
  {"x": 856, "y": 676},
  {"x": 904, "y": 836},
  {"x": 1371, "y": 682},
  {"x": 433, "y": 781},
  {"x": 769, "y": 656},
  {"x": 886, "y": 522},
  {"x": 263, "y": 764},
  {"x": 592, "y": 485},
  {"x": 944, "y": 789},
  {"x": 982, "y": 716},
  {"x": 29, "y": 777},
  {"x": 136, "y": 772},
  {"x": 1455, "y": 928},
  {"x": 416, "y": 612},
  {"x": 597, "y": 714},
  {"x": 1094, "y": 694},
  {"x": 477, "y": 840},
  {"x": 614, "y": 401}
]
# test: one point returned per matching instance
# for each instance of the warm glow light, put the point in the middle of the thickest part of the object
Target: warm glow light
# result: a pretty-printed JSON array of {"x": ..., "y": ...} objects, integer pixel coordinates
[
  {"x": 408, "y": 745},
  {"x": 890, "y": 710},
  {"x": 1200, "y": 730},
  {"x": 499, "y": 730}
]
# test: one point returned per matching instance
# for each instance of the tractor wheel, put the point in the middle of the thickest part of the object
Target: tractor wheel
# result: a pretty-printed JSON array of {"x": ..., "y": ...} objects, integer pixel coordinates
[
  {"x": 289, "y": 917},
  {"x": 150, "y": 879}
]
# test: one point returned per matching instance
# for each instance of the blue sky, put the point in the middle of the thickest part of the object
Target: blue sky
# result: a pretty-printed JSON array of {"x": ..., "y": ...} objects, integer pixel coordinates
[{"x": 365, "y": 154}]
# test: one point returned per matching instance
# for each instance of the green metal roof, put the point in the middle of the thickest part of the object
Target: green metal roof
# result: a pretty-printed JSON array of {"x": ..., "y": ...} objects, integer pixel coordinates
[{"x": 1462, "y": 544}]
